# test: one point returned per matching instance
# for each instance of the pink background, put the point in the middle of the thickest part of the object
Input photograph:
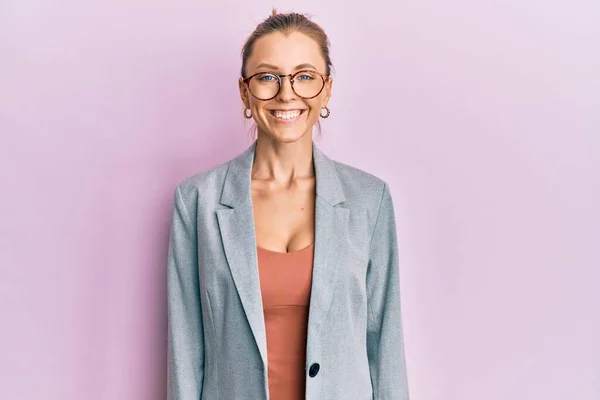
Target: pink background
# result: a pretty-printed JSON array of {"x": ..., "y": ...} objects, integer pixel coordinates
[{"x": 484, "y": 117}]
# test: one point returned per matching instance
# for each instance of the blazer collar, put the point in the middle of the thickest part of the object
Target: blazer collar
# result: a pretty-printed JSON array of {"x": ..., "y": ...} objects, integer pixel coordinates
[{"x": 237, "y": 187}]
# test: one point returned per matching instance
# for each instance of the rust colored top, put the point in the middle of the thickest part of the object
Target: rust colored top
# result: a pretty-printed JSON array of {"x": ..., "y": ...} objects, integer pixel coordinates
[{"x": 285, "y": 282}]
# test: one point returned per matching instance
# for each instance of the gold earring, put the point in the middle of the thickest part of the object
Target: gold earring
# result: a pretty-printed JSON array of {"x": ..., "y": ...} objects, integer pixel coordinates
[
  {"x": 246, "y": 113},
  {"x": 326, "y": 115}
]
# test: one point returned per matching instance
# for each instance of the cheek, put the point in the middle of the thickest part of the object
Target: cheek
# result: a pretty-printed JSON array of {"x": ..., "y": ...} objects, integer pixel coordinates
[
  {"x": 315, "y": 110},
  {"x": 314, "y": 105},
  {"x": 257, "y": 107}
]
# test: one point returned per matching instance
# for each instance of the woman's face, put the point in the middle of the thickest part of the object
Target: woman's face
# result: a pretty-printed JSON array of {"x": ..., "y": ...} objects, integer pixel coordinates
[{"x": 281, "y": 54}]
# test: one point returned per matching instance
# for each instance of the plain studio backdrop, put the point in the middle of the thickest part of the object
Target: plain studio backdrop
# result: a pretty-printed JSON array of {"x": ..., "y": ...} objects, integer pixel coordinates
[{"x": 483, "y": 116}]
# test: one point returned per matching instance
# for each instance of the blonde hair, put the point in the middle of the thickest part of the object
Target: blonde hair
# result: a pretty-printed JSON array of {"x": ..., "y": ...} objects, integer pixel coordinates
[{"x": 287, "y": 23}]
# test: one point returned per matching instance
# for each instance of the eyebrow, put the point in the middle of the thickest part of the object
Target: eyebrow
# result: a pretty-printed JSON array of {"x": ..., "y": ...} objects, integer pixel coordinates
[{"x": 274, "y": 67}]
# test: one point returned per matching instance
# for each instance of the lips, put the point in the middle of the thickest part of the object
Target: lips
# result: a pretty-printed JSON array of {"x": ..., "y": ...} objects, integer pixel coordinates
[{"x": 286, "y": 114}]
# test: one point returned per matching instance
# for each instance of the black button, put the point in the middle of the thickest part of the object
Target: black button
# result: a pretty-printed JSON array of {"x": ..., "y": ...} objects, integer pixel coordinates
[{"x": 313, "y": 370}]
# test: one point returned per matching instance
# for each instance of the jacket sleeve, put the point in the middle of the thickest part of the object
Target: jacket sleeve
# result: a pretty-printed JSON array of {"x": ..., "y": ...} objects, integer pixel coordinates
[
  {"x": 185, "y": 369},
  {"x": 385, "y": 343}
]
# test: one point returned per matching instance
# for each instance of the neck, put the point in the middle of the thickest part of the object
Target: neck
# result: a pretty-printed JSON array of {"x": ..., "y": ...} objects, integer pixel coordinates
[{"x": 283, "y": 162}]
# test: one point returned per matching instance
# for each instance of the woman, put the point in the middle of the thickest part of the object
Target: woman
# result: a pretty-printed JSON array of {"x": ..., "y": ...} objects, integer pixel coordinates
[{"x": 283, "y": 265}]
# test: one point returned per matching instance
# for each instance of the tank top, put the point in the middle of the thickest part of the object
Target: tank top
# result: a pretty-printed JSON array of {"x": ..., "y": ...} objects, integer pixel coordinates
[{"x": 285, "y": 282}]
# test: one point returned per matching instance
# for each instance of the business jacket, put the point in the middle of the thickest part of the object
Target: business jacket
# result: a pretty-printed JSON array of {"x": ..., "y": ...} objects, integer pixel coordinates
[{"x": 216, "y": 330}]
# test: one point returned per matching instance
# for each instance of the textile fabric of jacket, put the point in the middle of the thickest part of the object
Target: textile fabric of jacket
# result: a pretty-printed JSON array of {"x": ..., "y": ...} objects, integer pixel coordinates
[{"x": 216, "y": 331}]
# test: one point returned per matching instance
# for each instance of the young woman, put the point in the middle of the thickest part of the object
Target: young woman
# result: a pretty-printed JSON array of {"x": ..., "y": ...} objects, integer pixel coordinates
[{"x": 283, "y": 265}]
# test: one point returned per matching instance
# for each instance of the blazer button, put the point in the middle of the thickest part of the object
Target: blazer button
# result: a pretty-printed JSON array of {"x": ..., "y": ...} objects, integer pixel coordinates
[{"x": 313, "y": 370}]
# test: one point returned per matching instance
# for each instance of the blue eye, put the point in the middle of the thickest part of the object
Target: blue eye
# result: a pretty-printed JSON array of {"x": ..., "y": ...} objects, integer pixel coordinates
[
  {"x": 305, "y": 77},
  {"x": 266, "y": 78}
]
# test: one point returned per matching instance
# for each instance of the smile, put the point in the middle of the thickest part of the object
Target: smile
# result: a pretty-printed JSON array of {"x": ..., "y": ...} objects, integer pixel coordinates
[{"x": 288, "y": 116}]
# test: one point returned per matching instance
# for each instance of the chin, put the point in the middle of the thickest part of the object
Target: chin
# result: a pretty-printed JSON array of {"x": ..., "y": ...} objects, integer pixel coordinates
[{"x": 288, "y": 135}]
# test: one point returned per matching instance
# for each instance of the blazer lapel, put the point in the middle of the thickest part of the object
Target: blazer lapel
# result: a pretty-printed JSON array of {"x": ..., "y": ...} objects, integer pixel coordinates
[
  {"x": 236, "y": 225},
  {"x": 331, "y": 223}
]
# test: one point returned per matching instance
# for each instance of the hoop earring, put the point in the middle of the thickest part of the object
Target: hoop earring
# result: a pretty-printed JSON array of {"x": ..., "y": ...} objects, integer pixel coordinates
[
  {"x": 246, "y": 113},
  {"x": 326, "y": 115}
]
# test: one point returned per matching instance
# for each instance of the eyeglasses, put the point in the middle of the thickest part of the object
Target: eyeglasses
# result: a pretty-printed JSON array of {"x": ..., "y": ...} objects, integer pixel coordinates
[{"x": 306, "y": 84}]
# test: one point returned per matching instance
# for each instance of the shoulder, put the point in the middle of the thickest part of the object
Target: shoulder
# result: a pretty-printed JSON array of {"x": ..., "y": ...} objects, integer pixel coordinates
[
  {"x": 205, "y": 179},
  {"x": 368, "y": 198},
  {"x": 361, "y": 187},
  {"x": 204, "y": 186}
]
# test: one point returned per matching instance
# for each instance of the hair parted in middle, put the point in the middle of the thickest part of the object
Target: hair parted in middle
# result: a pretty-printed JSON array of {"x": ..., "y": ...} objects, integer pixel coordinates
[{"x": 287, "y": 23}]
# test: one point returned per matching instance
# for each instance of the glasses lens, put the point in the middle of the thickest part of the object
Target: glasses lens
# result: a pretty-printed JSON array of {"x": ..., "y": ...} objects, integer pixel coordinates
[
  {"x": 308, "y": 84},
  {"x": 264, "y": 86}
]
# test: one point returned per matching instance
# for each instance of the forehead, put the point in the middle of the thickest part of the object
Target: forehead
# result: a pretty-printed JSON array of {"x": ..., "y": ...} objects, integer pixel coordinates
[{"x": 286, "y": 52}]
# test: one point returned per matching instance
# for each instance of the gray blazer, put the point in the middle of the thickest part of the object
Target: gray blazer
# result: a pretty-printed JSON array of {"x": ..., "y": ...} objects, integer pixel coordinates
[{"x": 216, "y": 331}]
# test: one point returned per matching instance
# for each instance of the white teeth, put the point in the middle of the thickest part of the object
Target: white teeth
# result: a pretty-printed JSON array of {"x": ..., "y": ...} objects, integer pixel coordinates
[{"x": 286, "y": 114}]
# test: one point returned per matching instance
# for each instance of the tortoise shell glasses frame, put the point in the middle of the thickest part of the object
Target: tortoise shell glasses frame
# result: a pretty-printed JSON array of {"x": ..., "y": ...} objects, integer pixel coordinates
[{"x": 324, "y": 78}]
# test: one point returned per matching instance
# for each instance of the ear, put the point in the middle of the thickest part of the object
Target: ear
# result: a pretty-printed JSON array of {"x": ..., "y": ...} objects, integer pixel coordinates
[
  {"x": 327, "y": 91},
  {"x": 244, "y": 93}
]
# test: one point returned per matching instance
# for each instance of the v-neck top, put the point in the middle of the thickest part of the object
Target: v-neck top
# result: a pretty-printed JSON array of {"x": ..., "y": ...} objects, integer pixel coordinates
[{"x": 285, "y": 282}]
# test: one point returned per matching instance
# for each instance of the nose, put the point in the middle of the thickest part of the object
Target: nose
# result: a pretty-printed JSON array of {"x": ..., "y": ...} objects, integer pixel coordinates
[{"x": 286, "y": 93}]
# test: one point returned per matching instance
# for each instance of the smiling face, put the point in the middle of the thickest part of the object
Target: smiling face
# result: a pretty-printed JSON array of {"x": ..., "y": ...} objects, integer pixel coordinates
[{"x": 287, "y": 117}]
